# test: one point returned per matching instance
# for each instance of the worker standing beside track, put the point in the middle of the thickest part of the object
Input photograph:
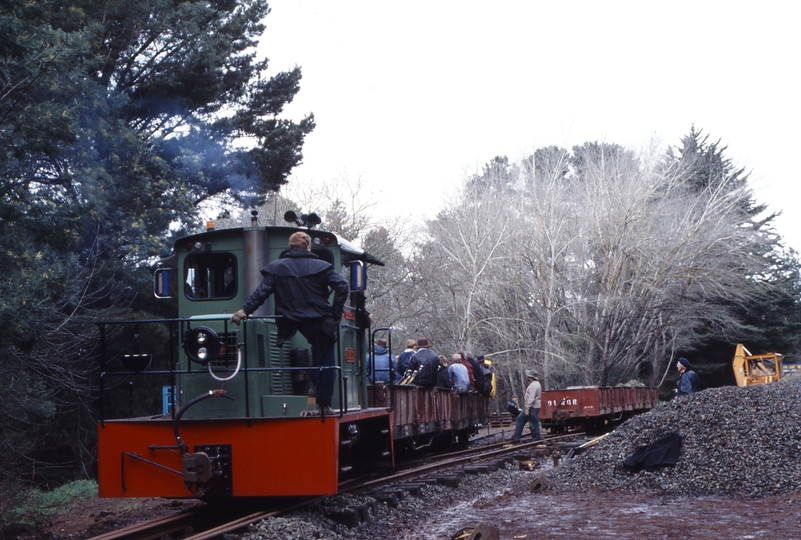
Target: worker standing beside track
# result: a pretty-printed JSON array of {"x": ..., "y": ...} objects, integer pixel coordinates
[
  {"x": 688, "y": 382},
  {"x": 531, "y": 408}
]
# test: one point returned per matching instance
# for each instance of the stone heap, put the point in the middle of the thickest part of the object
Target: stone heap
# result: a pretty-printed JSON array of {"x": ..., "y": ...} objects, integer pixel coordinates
[{"x": 736, "y": 441}]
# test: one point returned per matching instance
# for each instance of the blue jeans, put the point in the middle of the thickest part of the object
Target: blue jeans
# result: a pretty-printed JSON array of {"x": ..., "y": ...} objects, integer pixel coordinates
[{"x": 533, "y": 423}]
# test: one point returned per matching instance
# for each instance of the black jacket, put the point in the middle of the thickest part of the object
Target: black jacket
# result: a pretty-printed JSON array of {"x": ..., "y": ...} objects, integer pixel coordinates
[
  {"x": 427, "y": 361},
  {"x": 300, "y": 282},
  {"x": 443, "y": 379},
  {"x": 513, "y": 408}
]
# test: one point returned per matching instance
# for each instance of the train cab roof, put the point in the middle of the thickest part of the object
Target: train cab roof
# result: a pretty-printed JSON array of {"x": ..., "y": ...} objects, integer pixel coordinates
[{"x": 350, "y": 251}]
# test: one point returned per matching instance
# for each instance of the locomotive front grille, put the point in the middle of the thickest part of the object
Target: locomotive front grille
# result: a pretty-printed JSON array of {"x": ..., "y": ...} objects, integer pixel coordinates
[{"x": 228, "y": 351}]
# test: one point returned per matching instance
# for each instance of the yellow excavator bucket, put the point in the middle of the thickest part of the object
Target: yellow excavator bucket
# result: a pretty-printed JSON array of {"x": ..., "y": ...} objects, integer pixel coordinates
[{"x": 756, "y": 368}]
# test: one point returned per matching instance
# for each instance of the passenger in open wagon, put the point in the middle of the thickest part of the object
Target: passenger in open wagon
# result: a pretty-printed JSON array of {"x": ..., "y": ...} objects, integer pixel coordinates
[
  {"x": 443, "y": 379},
  {"x": 300, "y": 282},
  {"x": 531, "y": 408},
  {"x": 405, "y": 357},
  {"x": 382, "y": 364},
  {"x": 460, "y": 379},
  {"x": 426, "y": 363}
]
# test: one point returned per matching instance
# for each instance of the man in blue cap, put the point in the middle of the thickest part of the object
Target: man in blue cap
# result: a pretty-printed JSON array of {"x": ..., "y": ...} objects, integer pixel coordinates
[{"x": 688, "y": 382}]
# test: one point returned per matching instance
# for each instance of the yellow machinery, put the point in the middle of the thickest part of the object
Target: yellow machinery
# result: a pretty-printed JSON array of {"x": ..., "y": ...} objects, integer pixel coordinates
[{"x": 756, "y": 368}]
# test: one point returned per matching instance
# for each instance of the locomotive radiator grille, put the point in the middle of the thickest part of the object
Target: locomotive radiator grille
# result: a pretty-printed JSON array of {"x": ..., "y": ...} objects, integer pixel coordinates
[{"x": 228, "y": 351}]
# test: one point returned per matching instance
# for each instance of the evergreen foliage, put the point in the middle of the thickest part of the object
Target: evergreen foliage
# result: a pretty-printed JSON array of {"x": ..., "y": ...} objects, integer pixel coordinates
[
  {"x": 117, "y": 119},
  {"x": 769, "y": 322}
]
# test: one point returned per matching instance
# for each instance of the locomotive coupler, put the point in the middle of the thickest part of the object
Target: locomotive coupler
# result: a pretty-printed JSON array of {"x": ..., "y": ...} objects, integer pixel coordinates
[
  {"x": 207, "y": 471},
  {"x": 198, "y": 469}
]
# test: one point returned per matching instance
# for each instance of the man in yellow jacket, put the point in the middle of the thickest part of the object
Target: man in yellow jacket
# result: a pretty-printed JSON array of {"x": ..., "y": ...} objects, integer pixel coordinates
[{"x": 489, "y": 376}]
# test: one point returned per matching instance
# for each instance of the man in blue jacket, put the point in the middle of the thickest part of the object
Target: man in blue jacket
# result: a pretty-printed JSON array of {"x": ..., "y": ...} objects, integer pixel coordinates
[
  {"x": 405, "y": 357},
  {"x": 382, "y": 364},
  {"x": 302, "y": 283},
  {"x": 688, "y": 382}
]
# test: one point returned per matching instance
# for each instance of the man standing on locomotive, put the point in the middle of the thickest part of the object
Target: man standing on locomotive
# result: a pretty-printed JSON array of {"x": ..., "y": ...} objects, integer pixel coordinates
[
  {"x": 531, "y": 408},
  {"x": 302, "y": 283}
]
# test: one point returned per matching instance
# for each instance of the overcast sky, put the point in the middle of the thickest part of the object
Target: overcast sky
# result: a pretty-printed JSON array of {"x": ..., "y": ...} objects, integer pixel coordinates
[{"x": 413, "y": 96}]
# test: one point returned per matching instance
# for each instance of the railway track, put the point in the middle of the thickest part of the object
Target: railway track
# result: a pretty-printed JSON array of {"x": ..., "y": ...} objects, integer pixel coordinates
[
  {"x": 164, "y": 526},
  {"x": 214, "y": 522}
]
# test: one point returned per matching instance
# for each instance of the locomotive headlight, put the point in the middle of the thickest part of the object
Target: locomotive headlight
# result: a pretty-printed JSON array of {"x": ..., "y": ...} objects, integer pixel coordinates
[{"x": 201, "y": 344}]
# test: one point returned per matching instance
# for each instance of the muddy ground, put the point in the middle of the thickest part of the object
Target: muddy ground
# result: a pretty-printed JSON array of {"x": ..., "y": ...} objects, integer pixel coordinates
[
  {"x": 518, "y": 514},
  {"x": 607, "y": 515}
]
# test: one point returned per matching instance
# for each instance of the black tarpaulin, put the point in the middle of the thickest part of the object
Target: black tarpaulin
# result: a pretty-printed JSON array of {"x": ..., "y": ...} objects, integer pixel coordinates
[{"x": 663, "y": 451}]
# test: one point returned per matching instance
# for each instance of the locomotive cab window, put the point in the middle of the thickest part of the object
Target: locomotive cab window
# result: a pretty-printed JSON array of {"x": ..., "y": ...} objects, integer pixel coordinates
[{"x": 210, "y": 276}]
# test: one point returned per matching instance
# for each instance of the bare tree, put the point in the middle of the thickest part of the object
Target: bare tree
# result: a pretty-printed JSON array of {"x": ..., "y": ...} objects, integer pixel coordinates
[
  {"x": 465, "y": 256},
  {"x": 588, "y": 266}
]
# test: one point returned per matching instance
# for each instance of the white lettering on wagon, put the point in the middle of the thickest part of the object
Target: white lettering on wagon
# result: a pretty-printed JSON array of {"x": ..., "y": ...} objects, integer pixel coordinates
[{"x": 562, "y": 402}]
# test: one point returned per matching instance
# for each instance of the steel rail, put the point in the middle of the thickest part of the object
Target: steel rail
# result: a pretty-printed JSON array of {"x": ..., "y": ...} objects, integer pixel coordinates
[
  {"x": 153, "y": 529},
  {"x": 457, "y": 458},
  {"x": 243, "y": 522}
]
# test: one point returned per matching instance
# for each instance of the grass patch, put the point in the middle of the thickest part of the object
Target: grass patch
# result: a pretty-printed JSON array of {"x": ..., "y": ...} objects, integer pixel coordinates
[{"x": 35, "y": 505}]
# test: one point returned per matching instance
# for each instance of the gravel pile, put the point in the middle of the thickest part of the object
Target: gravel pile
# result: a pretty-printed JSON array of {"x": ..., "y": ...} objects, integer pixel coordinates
[{"x": 737, "y": 441}]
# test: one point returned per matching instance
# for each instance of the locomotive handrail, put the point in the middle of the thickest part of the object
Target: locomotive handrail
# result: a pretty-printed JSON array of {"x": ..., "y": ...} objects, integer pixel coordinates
[
  {"x": 220, "y": 317},
  {"x": 391, "y": 384},
  {"x": 343, "y": 385},
  {"x": 186, "y": 371},
  {"x": 180, "y": 323},
  {"x": 236, "y": 370}
]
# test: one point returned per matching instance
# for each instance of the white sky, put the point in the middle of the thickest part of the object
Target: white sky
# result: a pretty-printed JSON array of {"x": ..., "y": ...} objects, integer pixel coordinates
[{"x": 413, "y": 96}]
